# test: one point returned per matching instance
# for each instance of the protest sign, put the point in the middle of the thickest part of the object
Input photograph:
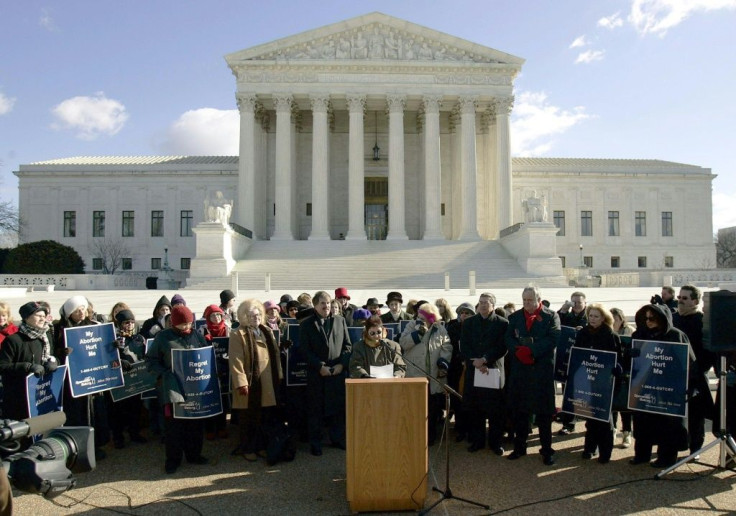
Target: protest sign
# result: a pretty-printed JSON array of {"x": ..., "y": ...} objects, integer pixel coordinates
[
  {"x": 296, "y": 364},
  {"x": 45, "y": 394},
  {"x": 196, "y": 372},
  {"x": 137, "y": 381},
  {"x": 221, "y": 345},
  {"x": 658, "y": 381},
  {"x": 562, "y": 353},
  {"x": 589, "y": 386},
  {"x": 93, "y": 359}
]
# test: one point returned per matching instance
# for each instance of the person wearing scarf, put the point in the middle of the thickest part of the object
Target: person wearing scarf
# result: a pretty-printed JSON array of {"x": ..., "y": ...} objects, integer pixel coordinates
[
  {"x": 256, "y": 374},
  {"x": 26, "y": 351},
  {"x": 216, "y": 327},
  {"x": 6, "y": 322},
  {"x": 184, "y": 437},
  {"x": 531, "y": 339}
]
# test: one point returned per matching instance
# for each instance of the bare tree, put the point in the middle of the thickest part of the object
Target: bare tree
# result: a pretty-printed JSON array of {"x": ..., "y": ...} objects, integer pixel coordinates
[
  {"x": 111, "y": 252},
  {"x": 726, "y": 249}
]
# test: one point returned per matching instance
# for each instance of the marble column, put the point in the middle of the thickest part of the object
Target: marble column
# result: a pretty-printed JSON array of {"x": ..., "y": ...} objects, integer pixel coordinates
[
  {"x": 320, "y": 165},
  {"x": 503, "y": 108},
  {"x": 396, "y": 215},
  {"x": 469, "y": 224},
  {"x": 356, "y": 172},
  {"x": 432, "y": 178},
  {"x": 282, "y": 221},
  {"x": 245, "y": 205}
]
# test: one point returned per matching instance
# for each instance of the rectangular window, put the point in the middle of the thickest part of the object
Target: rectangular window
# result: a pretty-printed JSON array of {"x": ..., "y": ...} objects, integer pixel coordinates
[
  {"x": 666, "y": 223},
  {"x": 70, "y": 223},
  {"x": 559, "y": 218},
  {"x": 186, "y": 264},
  {"x": 562, "y": 259},
  {"x": 588, "y": 261},
  {"x": 640, "y": 223},
  {"x": 613, "y": 228},
  {"x": 669, "y": 262},
  {"x": 615, "y": 262},
  {"x": 309, "y": 209},
  {"x": 128, "y": 223},
  {"x": 126, "y": 264},
  {"x": 642, "y": 262},
  {"x": 96, "y": 264},
  {"x": 155, "y": 264},
  {"x": 586, "y": 223},
  {"x": 98, "y": 223},
  {"x": 442, "y": 209},
  {"x": 185, "y": 223},
  {"x": 157, "y": 223}
]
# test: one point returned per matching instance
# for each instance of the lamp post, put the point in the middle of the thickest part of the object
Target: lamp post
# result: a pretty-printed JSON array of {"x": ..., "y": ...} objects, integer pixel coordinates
[{"x": 581, "y": 255}]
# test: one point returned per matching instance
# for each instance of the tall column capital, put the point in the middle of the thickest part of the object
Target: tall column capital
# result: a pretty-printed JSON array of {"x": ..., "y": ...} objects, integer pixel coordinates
[
  {"x": 356, "y": 103},
  {"x": 467, "y": 105},
  {"x": 282, "y": 103},
  {"x": 396, "y": 103},
  {"x": 246, "y": 102},
  {"x": 432, "y": 103},
  {"x": 503, "y": 105},
  {"x": 320, "y": 103}
]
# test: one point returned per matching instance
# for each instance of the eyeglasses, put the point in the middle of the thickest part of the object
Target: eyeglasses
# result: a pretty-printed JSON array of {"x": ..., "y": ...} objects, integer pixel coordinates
[
  {"x": 651, "y": 318},
  {"x": 683, "y": 298},
  {"x": 374, "y": 333}
]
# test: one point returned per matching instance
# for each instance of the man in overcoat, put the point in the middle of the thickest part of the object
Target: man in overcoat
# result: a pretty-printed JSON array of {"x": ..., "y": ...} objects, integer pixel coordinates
[
  {"x": 326, "y": 346},
  {"x": 531, "y": 339}
]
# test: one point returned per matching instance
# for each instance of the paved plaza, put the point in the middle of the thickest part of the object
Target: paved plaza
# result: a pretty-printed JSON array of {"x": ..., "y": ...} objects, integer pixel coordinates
[{"x": 132, "y": 480}]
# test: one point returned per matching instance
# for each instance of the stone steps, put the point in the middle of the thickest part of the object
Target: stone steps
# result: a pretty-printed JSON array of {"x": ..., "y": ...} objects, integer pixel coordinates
[{"x": 378, "y": 264}]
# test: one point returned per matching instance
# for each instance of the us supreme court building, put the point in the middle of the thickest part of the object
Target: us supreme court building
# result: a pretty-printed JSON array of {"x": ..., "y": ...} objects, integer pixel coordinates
[{"x": 373, "y": 128}]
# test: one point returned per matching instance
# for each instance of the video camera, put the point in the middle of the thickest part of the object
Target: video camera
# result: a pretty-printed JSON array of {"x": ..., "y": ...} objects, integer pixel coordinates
[{"x": 47, "y": 466}]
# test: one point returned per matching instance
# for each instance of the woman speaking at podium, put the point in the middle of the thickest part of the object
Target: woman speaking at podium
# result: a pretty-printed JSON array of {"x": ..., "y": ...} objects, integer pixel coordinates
[{"x": 374, "y": 350}]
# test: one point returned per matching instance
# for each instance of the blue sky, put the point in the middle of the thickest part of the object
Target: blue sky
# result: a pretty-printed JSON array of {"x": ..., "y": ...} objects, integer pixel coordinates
[{"x": 651, "y": 79}]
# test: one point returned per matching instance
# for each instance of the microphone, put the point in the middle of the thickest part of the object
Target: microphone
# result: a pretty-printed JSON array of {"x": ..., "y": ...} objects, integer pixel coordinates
[{"x": 13, "y": 430}]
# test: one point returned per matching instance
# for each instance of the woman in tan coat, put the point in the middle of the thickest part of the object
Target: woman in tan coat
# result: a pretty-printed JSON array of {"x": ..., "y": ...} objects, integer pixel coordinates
[{"x": 255, "y": 369}]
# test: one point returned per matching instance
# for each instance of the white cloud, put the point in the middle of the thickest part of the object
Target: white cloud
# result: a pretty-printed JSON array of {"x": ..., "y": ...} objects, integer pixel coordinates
[
  {"x": 611, "y": 22},
  {"x": 658, "y": 16},
  {"x": 579, "y": 42},
  {"x": 534, "y": 121},
  {"x": 724, "y": 215},
  {"x": 6, "y": 103},
  {"x": 90, "y": 116},
  {"x": 589, "y": 56},
  {"x": 47, "y": 21},
  {"x": 205, "y": 131}
]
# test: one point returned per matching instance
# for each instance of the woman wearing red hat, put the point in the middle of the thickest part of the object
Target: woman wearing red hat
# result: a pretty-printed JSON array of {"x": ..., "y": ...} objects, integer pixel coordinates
[{"x": 184, "y": 437}]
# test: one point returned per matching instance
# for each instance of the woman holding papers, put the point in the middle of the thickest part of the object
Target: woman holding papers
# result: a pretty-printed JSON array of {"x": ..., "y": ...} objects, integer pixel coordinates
[
  {"x": 374, "y": 352},
  {"x": 428, "y": 351},
  {"x": 654, "y": 322},
  {"x": 599, "y": 335}
]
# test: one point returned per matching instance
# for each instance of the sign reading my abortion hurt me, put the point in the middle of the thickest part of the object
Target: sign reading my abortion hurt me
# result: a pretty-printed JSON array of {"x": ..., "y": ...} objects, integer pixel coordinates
[{"x": 659, "y": 377}]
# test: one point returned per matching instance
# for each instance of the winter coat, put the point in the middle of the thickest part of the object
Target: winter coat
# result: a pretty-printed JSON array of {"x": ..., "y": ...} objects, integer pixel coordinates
[
  {"x": 424, "y": 351},
  {"x": 158, "y": 359},
  {"x": 365, "y": 356},
  {"x": 484, "y": 338},
  {"x": 17, "y": 353},
  {"x": 244, "y": 369}
]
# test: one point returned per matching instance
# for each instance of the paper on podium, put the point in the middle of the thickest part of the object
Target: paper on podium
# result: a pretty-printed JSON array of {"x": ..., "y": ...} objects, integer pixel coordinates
[
  {"x": 491, "y": 380},
  {"x": 386, "y": 371}
]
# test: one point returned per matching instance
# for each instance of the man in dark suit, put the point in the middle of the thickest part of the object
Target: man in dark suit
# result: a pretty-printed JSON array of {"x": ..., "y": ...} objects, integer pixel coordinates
[
  {"x": 326, "y": 346},
  {"x": 483, "y": 346},
  {"x": 531, "y": 339}
]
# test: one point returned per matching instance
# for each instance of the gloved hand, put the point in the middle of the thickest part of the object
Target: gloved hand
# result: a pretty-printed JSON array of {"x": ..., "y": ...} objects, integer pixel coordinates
[
  {"x": 656, "y": 300},
  {"x": 36, "y": 369},
  {"x": 50, "y": 365},
  {"x": 442, "y": 367},
  {"x": 126, "y": 365},
  {"x": 524, "y": 355},
  {"x": 421, "y": 329},
  {"x": 120, "y": 343},
  {"x": 618, "y": 370}
]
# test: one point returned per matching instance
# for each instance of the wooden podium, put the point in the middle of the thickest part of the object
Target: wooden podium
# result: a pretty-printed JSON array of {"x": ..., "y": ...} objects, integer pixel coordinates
[{"x": 387, "y": 459}]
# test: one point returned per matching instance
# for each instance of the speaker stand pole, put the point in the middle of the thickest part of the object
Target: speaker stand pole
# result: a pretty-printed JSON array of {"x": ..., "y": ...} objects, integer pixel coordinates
[{"x": 726, "y": 442}]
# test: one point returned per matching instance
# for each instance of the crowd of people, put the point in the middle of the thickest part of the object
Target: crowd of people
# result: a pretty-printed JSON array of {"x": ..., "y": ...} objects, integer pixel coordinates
[{"x": 500, "y": 359}]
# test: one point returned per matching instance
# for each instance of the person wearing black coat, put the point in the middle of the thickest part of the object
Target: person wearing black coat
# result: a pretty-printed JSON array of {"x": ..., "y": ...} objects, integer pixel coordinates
[
  {"x": 654, "y": 323},
  {"x": 325, "y": 344},
  {"x": 27, "y": 351},
  {"x": 483, "y": 346},
  {"x": 156, "y": 323},
  {"x": 598, "y": 334},
  {"x": 531, "y": 339}
]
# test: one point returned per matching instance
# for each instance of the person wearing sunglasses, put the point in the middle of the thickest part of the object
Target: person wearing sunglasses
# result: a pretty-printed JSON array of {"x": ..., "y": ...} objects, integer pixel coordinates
[
  {"x": 654, "y": 322},
  {"x": 374, "y": 350}
]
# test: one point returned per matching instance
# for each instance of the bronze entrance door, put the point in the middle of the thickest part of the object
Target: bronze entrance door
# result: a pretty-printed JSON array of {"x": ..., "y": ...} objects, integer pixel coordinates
[{"x": 376, "y": 207}]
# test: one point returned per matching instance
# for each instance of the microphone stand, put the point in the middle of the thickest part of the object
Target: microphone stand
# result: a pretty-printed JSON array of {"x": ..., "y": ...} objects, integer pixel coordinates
[{"x": 445, "y": 494}]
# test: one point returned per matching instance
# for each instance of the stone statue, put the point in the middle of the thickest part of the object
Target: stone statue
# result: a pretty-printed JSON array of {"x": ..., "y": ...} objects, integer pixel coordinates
[
  {"x": 535, "y": 208},
  {"x": 343, "y": 49},
  {"x": 425, "y": 53},
  {"x": 393, "y": 46},
  {"x": 360, "y": 47},
  {"x": 375, "y": 45},
  {"x": 218, "y": 209}
]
